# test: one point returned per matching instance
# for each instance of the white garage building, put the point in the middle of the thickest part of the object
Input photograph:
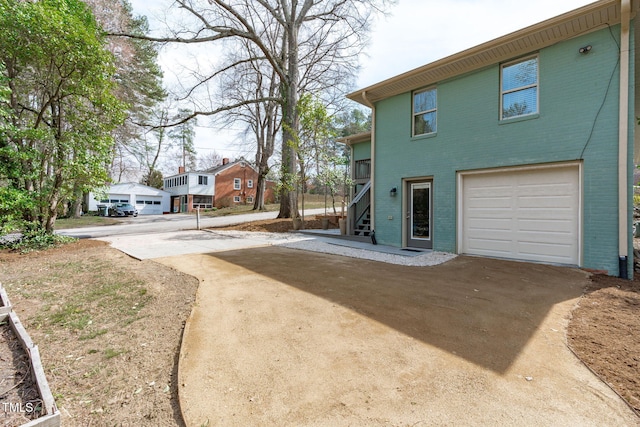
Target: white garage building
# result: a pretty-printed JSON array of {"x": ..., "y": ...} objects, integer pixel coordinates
[{"x": 147, "y": 200}]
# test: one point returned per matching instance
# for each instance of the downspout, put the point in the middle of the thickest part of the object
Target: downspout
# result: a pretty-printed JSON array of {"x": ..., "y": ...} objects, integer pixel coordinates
[
  {"x": 623, "y": 142},
  {"x": 373, "y": 159},
  {"x": 352, "y": 193}
]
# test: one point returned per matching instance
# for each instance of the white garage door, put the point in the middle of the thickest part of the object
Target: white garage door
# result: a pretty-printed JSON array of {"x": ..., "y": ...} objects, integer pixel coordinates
[
  {"x": 526, "y": 214},
  {"x": 149, "y": 205}
]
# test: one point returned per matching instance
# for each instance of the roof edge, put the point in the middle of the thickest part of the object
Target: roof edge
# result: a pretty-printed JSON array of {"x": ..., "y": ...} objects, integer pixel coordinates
[
  {"x": 399, "y": 83},
  {"x": 355, "y": 138}
]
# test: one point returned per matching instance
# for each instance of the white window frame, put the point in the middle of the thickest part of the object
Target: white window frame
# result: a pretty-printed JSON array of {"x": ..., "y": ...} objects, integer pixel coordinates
[
  {"x": 249, "y": 199},
  {"x": 520, "y": 88},
  {"x": 237, "y": 183},
  {"x": 236, "y": 199},
  {"x": 418, "y": 113},
  {"x": 249, "y": 183},
  {"x": 203, "y": 180}
]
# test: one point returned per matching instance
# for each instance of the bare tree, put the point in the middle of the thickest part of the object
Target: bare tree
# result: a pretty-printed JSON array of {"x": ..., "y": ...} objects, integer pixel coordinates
[
  {"x": 309, "y": 45},
  {"x": 255, "y": 80},
  {"x": 208, "y": 161},
  {"x": 156, "y": 141}
]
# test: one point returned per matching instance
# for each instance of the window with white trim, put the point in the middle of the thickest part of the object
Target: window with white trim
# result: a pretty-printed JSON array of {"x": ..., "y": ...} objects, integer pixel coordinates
[
  {"x": 249, "y": 199},
  {"x": 519, "y": 88},
  {"x": 249, "y": 183},
  {"x": 236, "y": 199},
  {"x": 425, "y": 111},
  {"x": 237, "y": 182},
  {"x": 203, "y": 180}
]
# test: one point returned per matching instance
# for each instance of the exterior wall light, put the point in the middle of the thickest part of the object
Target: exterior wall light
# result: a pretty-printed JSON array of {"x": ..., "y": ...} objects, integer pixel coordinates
[
  {"x": 586, "y": 49},
  {"x": 393, "y": 192}
]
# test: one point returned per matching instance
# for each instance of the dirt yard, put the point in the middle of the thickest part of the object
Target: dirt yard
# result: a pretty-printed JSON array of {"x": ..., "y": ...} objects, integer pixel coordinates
[
  {"x": 109, "y": 329},
  {"x": 604, "y": 332}
]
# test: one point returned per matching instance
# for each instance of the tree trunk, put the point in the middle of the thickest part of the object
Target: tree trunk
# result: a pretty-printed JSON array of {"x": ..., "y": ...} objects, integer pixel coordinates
[
  {"x": 76, "y": 207},
  {"x": 265, "y": 150},
  {"x": 288, "y": 194},
  {"x": 258, "y": 203}
]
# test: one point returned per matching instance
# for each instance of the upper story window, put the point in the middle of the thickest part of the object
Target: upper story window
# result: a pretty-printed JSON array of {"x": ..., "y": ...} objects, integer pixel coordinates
[
  {"x": 237, "y": 182},
  {"x": 519, "y": 88},
  {"x": 424, "y": 111},
  {"x": 249, "y": 183},
  {"x": 203, "y": 180}
]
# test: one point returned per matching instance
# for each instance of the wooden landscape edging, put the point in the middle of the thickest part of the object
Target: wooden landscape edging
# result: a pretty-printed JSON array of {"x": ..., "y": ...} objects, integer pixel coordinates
[
  {"x": 50, "y": 415},
  {"x": 5, "y": 305}
]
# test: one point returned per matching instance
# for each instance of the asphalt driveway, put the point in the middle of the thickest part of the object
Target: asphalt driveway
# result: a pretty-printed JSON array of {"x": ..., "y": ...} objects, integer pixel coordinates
[{"x": 281, "y": 336}]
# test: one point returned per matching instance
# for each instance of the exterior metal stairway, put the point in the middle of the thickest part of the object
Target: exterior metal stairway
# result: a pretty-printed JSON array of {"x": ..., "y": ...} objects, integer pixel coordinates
[{"x": 363, "y": 228}]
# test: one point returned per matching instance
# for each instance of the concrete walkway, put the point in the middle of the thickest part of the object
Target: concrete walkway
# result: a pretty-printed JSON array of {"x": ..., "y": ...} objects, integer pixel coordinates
[{"x": 280, "y": 336}]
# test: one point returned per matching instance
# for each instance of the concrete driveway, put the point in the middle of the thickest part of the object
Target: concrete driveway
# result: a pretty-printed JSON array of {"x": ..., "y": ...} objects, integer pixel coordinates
[{"x": 280, "y": 336}]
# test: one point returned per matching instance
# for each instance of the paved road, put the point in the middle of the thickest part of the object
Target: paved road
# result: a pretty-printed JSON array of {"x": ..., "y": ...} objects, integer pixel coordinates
[{"x": 146, "y": 224}]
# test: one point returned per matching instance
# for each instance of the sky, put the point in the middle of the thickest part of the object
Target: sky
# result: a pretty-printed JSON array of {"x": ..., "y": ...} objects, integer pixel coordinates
[{"x": 415, "y": 33}]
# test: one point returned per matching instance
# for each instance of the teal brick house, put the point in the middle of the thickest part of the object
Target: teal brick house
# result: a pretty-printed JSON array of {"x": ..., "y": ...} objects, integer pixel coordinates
[{"x": 519, "y": 148}]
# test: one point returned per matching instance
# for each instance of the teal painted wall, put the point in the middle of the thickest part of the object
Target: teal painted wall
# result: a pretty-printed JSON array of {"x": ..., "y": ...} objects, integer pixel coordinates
[
  {"x": 361, "y": 151},
  {"x": 577, "y": 120}
]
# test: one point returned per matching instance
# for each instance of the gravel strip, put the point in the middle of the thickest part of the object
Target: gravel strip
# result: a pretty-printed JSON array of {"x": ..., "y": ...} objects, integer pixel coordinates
[
  {"x": 427, "y": 259},
  {"x": 322, "y": 244}
]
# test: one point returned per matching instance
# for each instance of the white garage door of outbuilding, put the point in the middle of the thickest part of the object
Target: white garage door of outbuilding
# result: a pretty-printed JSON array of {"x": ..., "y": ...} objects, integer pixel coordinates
[
  {"x": 149, "y": 205},
  {"x": 530, "y": 214}
]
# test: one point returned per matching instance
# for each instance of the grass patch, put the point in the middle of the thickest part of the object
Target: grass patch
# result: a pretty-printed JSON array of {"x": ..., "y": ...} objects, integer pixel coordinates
[
  {"x": 102, "y": 302},
  {"x": 313, "y": 201},
  {"x": 93, "y": 334},
  {"x": 84, "y": 221},
  {"x": 111, "y": 353},
  {"x": 234, "y": 210},
  {"x": 71, "y": 316}
]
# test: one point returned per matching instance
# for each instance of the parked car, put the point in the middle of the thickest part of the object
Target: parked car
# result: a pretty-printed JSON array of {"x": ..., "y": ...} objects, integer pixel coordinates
[{"x": 122, "y": 209}]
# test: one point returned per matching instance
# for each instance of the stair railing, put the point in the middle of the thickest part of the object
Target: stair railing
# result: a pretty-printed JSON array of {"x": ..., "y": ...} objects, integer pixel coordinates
[{"x": 359, "y": 207}]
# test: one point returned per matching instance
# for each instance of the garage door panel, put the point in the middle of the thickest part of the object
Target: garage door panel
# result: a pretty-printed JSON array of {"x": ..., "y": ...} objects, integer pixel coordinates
[
  {"x": 492, "y": 234},
  {"x": 491, "y": 247},
  {"x": 522, "y": 214},
  {"x": 149, "y": 205},
  {"x": 544, "y": 226},
  {"x": 545, "y": 253},
  {"x": 488, "y": 224},
  {"x": 495, "y": 203},
  {"x": 560, "y": 202},
  {"x": 490, "y": 212},
  {"x": 544, "y": 237}
]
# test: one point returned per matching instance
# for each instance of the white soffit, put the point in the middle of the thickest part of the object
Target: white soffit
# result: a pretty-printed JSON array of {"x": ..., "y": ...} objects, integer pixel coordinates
[{"x": 571, "y": 24}]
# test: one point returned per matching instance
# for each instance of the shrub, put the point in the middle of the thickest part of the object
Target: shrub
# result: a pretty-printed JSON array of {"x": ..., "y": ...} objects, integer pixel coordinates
[{"x": 33, "y": 237}]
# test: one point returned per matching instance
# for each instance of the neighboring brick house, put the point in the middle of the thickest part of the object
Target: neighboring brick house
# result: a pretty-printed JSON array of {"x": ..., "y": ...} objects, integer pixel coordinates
[
  {"x": 519, "y": 148},
  {"x": 229, "y": 184},
  {"x": 236, "y": 183}
]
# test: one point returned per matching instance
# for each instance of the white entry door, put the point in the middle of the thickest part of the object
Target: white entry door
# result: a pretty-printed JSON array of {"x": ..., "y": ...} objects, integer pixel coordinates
[{"x": 419, "y": 227}]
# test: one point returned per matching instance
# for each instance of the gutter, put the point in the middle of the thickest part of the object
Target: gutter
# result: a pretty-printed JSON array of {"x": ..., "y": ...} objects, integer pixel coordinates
[
  {"x": 373, "y": 159},
  {"x": 623, "y": 142}
]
